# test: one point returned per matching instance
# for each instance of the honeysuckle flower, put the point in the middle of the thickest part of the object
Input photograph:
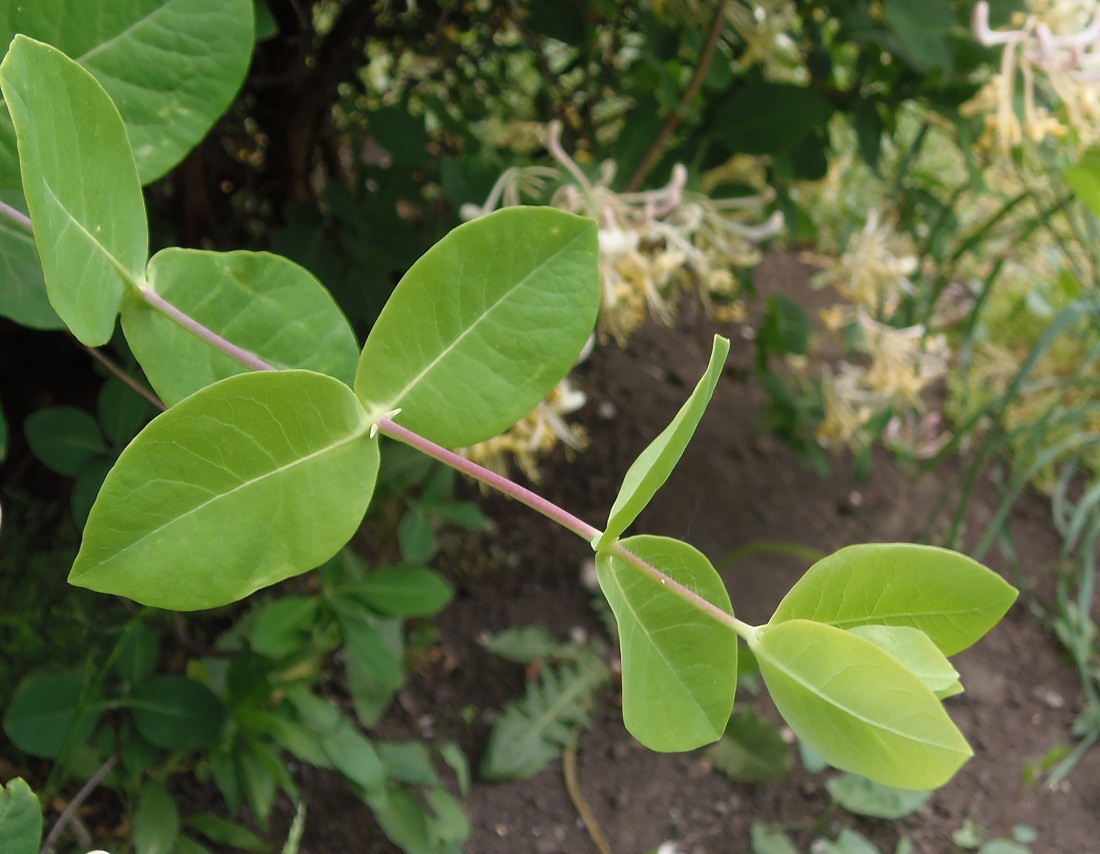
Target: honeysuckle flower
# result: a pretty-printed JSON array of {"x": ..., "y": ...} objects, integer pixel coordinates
[
  {"x": 1058, "y": 40},
  {"x": 535, "y": 434},
  {"x": 872, "y": 271}
]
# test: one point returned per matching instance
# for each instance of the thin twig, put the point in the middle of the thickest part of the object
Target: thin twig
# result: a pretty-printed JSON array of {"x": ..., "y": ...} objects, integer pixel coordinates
[
  {"x": 125, "y": 377},
  {"x": 573, "y": 786},
  {"x": 15, "y": 215},
  {"x": 69, "y": 811},
  {"x": 657, "y": 147}
]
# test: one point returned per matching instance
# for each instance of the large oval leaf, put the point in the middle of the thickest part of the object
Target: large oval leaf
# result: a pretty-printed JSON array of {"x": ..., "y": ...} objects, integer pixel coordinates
[
  {"x": 951, "y": 598},
  {"x": 249, "y": 481},
  {"x": 81, "y": 185},
  {"x": 484, "y": 325},
  {"x": 45, "y": 709},
  {"x": 649, "y": 472},
  {"x": 171, "y": 66},
  {"x": 857, "y": 706},
  {"x": 679, "y": 665},
  {"x": 264, "y": 303}
]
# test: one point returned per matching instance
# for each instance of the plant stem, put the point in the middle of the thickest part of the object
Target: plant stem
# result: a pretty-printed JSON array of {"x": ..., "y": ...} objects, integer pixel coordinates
[
  {"x": 490, "y": 478},
  {"x": 15, "y": 215},
  {"x": 81, "y": 796},
  {"x": 657, "y": 147},
  {"x": 125, "y": 377},
  {"x": 510, "y": 488},
  {"x": 249, "y": 360}
]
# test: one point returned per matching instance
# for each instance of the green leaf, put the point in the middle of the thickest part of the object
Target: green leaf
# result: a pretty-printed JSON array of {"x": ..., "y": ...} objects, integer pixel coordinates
[
  {"x": 951, "y": 598},
  {"x": 761, "y": 117},
  {"x": 866, "y": 797},
  {"x": 156, "y": 820},
  {"x": 177, "y": 713},
  {"x": 1083, "y": 178},
  {"x": 122, "y": 412},
  {"x": 20, "y": 818},
  {"x": 532, "y": 732},
  {"x": 372, "y": 659},
  {"x": 403, "y": 591},
  {"x": 225, "y": 832},
  {"x": 525, "y": 644},
  {"x": 23, "y": 294},
  {"x": 915, "y": 650},
  {"x": 786, "y": 328},
  {"x": 416, "y": 536},
  {"x": 353, "y": 755},
  {"x": 484, "y": 325},
  {"x": 251, "y": 480},
  {"x": 857, "y": 706},
  {"x": 408, "y": 762},
  {"x": 64, "y": 438},
  {"x": 43, "y": 711},
  {"x": 649, "y": 472},
  {"x": 750, "y": 750},
  {"x": 770, "y": 840},
  {"x": 138, "y": 651},
  {"x": 283, "y": 627},
  {"x": 172, "y": 66},
  {"x": 679, "y": 665},
  {"x": 81, "y": 185},
  {"x": 263, "y": 303},
  {"x": 849, "y": 842},
  {"x": 924, "y": 32}
]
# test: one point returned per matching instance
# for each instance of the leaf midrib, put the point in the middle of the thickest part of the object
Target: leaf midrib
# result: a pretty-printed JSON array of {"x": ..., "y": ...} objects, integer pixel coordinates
[
  {"x": 222, "y": 495},
  {"x": 395, "y": 400},
  {"x": 876, "y": 725}
]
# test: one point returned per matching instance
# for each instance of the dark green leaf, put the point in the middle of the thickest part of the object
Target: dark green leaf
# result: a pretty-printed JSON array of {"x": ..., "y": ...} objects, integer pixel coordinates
[
  {"x": 283, "y": 627},
  {"x": 177, "y": 713},
  {"x": 156, "y": 820},
  {"x": 64, "y": 438},
  {"x": 43, "y": 711},
  {"x": 750, "y": 750},
  {"x": 403, "y": 591},
  {"x": 225, "y": 832}
]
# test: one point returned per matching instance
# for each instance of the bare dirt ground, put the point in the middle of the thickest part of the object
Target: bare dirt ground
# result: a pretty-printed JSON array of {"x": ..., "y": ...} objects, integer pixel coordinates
[{"x": 735, "y": 486}]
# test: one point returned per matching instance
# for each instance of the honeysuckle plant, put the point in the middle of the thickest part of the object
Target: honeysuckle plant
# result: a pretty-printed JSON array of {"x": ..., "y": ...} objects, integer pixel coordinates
[{"x": 264, "y": 462}]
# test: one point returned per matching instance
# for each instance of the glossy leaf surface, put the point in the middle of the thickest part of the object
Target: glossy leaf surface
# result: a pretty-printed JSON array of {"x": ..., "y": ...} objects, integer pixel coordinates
[
  {"x": 81, "y": 185},
  {"x": 484, "y": 325},
  {"x": 649, "y": 472},
  {"x": 247, "y": 482},
  {"x": 172, "y": 66},
  {"x": 951, "y": 598},
  {"x": 263, "y": 303},
  {"x": 679, "y": 666},
  {"x": 857, "y": 706}
]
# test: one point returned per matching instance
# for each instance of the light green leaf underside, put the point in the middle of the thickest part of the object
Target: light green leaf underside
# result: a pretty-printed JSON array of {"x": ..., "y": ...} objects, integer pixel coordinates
[
  {"x": 22, "y": 288},
  {"x": 653, "y": 466},
  {"x": 914, "y": 649},
  {"x": 679, "y": 665},
  {"x": 81, "y": 186},
  {"x": 251, "y": 480},
  {"x": 264, "y": 303},
  {"x": 20, "y": 818},
  {"x": 172, "y": 66},
  {"x": 951, "y": 598},
  {"x": 857, "y": 706},
  {"x": 484, "y": 325}
]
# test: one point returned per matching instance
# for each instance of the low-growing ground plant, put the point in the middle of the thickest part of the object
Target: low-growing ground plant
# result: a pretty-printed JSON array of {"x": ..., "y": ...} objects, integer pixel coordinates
[{"x": 265, "y": 460}]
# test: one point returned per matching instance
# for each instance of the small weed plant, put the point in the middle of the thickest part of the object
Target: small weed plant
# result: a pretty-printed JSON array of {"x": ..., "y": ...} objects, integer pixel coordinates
[{"x": 264, "y": 462}]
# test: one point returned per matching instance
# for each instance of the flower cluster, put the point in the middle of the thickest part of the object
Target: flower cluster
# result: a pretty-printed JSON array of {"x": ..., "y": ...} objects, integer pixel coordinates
[
  {"x": 653, "y": 245},
  {"x": 1069, "y": 62},
  {"x": 895, "y": 366}
]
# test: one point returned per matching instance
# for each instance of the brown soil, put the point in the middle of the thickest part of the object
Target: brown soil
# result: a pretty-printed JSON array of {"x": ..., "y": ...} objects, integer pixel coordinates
[{"x": 735, "y": 486}]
